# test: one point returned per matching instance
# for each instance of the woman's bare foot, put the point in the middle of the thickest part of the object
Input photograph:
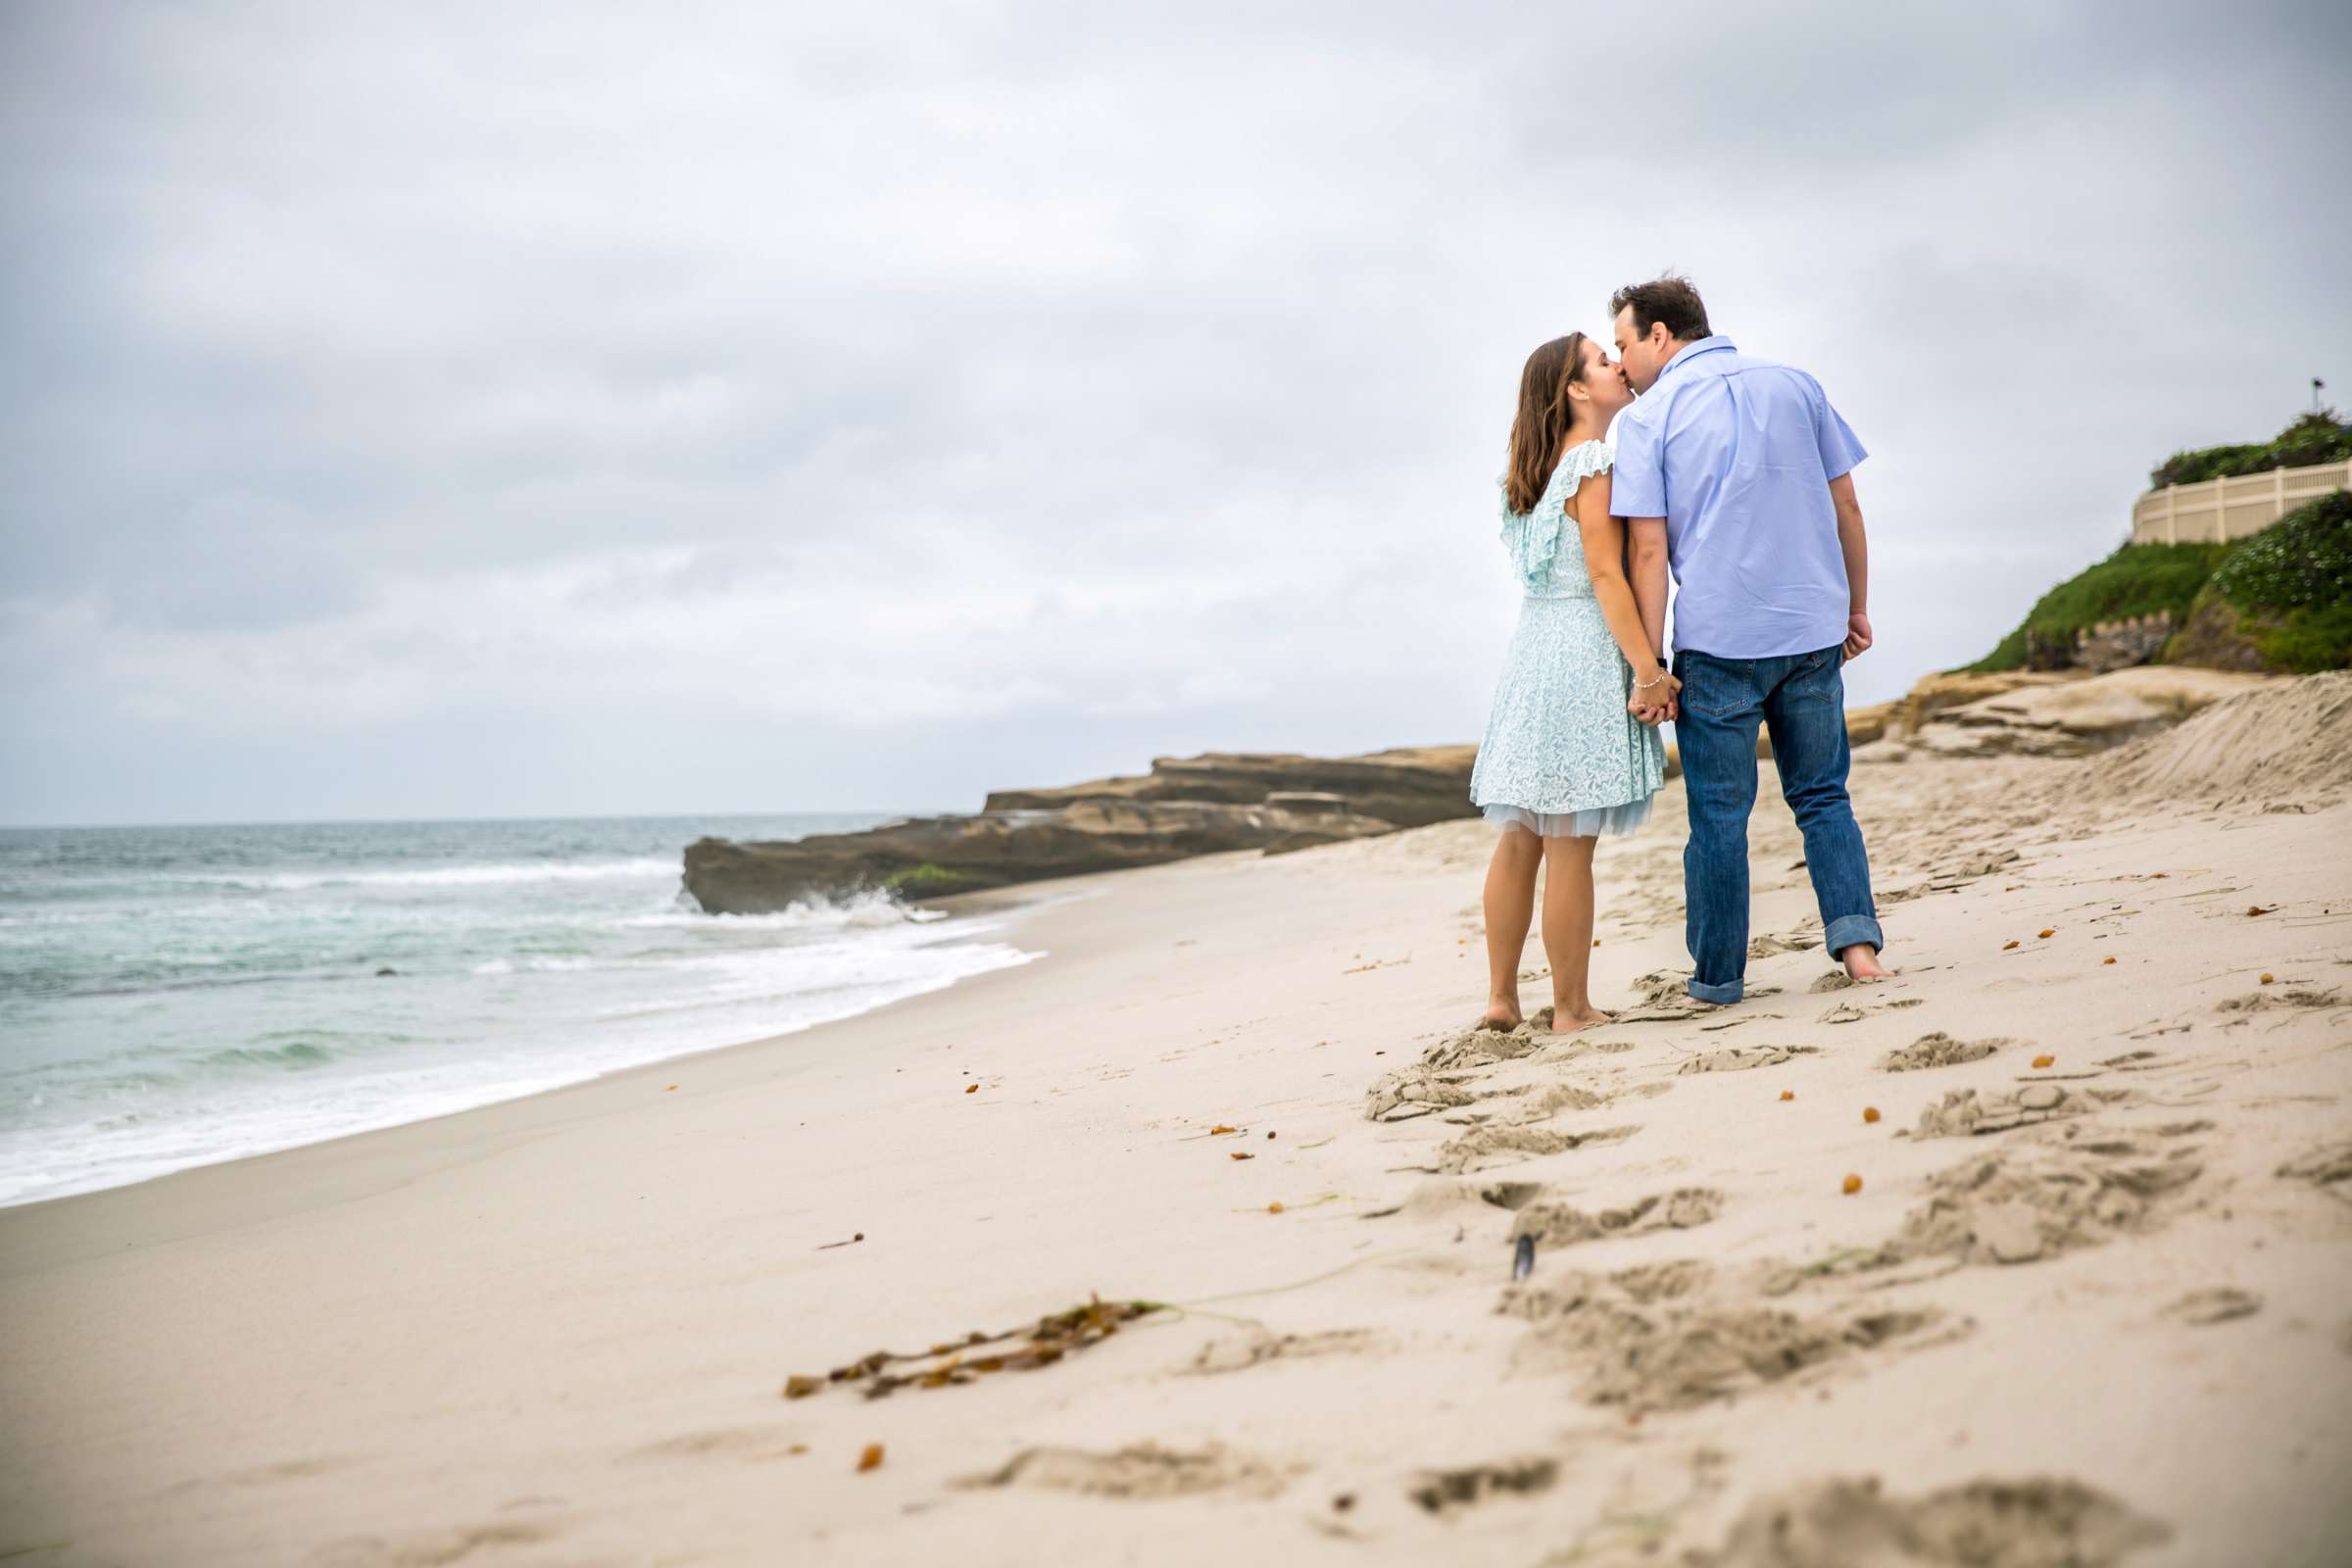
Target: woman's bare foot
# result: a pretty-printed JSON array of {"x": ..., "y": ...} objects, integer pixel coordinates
[
  {"x": 1862, "y": 963},
  {"x": 1503, "y": 1015},
  {"x": 1568, "y": 1023}
]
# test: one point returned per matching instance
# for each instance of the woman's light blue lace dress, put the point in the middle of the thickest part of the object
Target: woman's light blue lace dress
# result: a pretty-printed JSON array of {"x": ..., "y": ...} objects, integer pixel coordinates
[{"x": 1561, "y": 755}]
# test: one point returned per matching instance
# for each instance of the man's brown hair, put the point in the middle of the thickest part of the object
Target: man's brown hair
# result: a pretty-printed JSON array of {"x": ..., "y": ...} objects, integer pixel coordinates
[{"x": 1671, "y": 299}]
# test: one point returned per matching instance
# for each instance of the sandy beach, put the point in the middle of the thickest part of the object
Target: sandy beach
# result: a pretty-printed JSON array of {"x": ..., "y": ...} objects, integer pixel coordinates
[{"x": 2092, "y": 1302}]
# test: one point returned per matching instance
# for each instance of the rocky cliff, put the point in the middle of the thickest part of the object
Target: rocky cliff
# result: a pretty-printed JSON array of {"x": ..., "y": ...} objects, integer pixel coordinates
[
  {"x": 2061, "y": 714},
  {"x": 1271, "y": 802},
  {"x": 1406, "y": 787}
]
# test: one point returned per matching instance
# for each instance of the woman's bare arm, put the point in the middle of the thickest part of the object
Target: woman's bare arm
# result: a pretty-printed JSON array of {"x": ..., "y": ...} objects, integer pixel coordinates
[{"x": 1604, "y": 561}]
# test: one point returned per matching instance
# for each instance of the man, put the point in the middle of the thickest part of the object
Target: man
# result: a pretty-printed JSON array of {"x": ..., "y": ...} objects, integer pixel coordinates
[{"x": 1737, "y": 473}]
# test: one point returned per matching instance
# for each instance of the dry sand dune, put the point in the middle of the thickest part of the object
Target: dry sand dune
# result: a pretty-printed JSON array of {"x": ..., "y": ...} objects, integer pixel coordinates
[
  {"x": 2283, "y": 746},
  {"x": 2080, "y": 1291}
]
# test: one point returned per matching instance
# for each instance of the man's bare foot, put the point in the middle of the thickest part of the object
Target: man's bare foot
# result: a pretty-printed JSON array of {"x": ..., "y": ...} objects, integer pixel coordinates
[
  {"x": 1862, "y": 963},
  {"x": 1502, "y": 1016},
  {"x": 1568, "y": 1023}
]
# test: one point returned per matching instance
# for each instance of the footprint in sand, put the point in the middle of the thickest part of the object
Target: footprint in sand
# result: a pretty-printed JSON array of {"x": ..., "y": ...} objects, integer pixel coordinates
[
  {"x": 2289, "y": 996},
  {"x": 1512, "y": 1195},
  {"x": 2217, "y": 1305},
  {"x": 1444, "y": 1491},
  {"x": 2036, "y": 1201},
  {"x": 1478, "y": 1046},
  {"x": 2322, "y": 1167},
  {"x": 1417, "y": 1091},
  {"x": 1843, "y": 1013},
  {"x": 1962, "y": 872},
  {"x": 749, "y": 1443},
  {"x": 1256, "y": 1347},
  {"x": 1557, "y": 1224},
  {"x": 1940, "y": 1049},
  {"x": 1552, "y": 1098},
  {"x": 268, "y": 1475},
  {"x": 2119, "y": 1147},
  {"x": 1661, "y": 997},
  {"x": 1741, "y": 1058},
  {"x": 1528, "y": 1143},
  {"x": 1767, "y": 946},
  {"x": 1401, "y": 1097},
  {"x": 1680, "y": 1347},
  {"x": 2033, "y": 1523},
  {"x": 2138, "y": 1061},
  {"x": 1530, "y": 1105},
  {"x": 434, "y": 1547},
  {"x": 1664, "y": 1282},
  {"x": 1967, "y": 1112},
  {"x": 1736, "y": 1020},
  {"x": 1142, "y": 1470}
]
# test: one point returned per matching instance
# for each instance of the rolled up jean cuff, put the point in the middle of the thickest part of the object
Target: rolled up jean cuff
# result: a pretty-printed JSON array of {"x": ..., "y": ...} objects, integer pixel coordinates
[
  {"x": 1848, "y": 929},
  {"x": 1723, "y": 994}
]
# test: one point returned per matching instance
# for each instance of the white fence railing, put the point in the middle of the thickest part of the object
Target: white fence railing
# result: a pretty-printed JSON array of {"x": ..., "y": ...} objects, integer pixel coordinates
[{"x": 2218, "y": 509}]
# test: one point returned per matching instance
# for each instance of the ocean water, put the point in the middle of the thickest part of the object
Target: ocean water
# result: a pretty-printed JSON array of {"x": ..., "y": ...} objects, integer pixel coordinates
[{"x": 175, "y": 996}]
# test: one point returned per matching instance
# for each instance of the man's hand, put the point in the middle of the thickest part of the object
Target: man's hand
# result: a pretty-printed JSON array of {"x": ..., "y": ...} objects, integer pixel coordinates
[
  {"x": 1857, "y": 635},
  {"x": 1653, "y": 701}
]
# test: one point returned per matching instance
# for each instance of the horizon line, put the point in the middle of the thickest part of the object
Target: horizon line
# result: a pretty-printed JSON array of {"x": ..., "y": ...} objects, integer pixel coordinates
[{"x": 407, "y": 821}]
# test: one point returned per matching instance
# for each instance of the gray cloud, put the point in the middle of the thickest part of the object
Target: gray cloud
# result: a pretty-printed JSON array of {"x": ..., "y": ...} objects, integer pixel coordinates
[{"x": 431, "y": 409}]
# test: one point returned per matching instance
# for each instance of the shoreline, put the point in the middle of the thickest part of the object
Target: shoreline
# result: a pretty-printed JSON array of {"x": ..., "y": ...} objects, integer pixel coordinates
[
  {"x": 572, "y": 1075},
  {"x": 558, "y": 1329},
  {"x": 1011, "y": 904}
]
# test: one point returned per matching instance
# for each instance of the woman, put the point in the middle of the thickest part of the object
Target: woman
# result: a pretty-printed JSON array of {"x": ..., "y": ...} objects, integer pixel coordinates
[{"x": 1564, "y": 759}]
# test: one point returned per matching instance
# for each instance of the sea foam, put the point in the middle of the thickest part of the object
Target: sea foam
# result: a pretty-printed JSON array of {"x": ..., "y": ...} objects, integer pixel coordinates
[{"x": 174, "y": 997}]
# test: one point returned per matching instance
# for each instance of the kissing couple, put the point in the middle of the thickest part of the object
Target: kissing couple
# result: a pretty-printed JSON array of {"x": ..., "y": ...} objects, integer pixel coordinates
[{"x": 1734, "y": 472}]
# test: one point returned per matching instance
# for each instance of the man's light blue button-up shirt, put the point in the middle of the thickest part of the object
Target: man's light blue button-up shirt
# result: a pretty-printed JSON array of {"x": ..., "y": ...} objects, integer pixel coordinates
[{"x": 1736, "y": 454}]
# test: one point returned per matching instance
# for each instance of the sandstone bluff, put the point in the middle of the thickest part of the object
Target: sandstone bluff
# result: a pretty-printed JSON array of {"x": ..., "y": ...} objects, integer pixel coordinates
[
  {"x": 1187, "y": 806},
  {"x": 1276, "y": 801}
]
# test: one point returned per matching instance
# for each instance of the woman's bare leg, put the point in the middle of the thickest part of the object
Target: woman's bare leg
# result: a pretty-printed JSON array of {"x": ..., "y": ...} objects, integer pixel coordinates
[
  {"x": 1510, "y": 909},
  {"x": 1568, "y": 931}
]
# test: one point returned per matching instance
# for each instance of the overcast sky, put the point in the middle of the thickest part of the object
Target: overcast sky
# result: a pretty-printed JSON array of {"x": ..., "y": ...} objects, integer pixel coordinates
[{"x": 482, "y": 410}]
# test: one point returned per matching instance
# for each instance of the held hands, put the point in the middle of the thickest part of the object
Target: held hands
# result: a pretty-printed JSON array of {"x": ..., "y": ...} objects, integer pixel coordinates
[
  {"x": 1653, "y": 697},
  {"x": 1857, "y": 634}
]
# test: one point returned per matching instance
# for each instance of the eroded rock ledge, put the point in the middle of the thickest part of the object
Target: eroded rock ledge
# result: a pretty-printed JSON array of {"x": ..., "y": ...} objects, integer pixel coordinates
[
  {"x": 1272, "y": 802},
  {"x": 2067, "y": 715}
]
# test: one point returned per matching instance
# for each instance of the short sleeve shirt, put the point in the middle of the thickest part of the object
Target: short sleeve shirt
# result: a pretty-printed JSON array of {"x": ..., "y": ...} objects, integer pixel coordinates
[{"x": 1736, "y": 454}]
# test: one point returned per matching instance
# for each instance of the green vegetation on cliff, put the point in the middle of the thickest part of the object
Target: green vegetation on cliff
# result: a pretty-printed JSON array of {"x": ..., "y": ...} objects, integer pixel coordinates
[
  {"x": 928, "y": 881},
  {"x": 2316, "y": 437},
  {"x": 2292, "y": 587},
  {"x": 2137, "y": 580},
  {"x": 2281, "y": 599}
]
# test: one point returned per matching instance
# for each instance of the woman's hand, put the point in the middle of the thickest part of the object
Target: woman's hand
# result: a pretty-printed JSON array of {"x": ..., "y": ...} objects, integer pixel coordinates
[{"x": 1653, "y": 697}]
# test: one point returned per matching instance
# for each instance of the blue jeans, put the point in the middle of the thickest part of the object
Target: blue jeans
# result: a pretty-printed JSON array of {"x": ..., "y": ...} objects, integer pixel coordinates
[{"x": 1802, "y": 700}]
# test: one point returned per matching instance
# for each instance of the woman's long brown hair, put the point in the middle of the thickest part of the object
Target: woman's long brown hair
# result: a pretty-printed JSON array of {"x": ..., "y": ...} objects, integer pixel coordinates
[{"x": 1544, "y": 419}]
